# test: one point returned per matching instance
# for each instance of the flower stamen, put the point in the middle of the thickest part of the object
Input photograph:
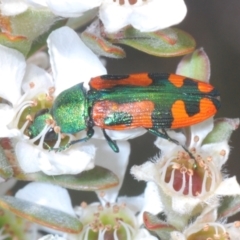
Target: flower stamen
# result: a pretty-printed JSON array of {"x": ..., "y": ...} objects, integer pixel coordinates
[
  {"x": 111, "y": 222},
  {"x": 187, "y": 176},
  {"x": 19, "y": 110},
  {"x": 41, "y": 134},
  {"x": 210, "y": 231}
]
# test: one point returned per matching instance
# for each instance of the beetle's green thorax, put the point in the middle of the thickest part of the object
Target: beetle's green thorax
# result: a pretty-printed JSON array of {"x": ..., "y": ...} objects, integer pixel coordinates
[
  {"x": 39, "y": 122},
  {"x": 70, "y": 109}
]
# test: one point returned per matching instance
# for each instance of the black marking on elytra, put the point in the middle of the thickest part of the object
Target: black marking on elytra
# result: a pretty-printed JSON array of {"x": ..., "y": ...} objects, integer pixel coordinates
[
  {"x": 118, "y": 118},
  {"x": 158, "y": 76},
  {"x": 216, "y": 103},
  {"x": 162, "y": 119},
  {"x": 114, "y": 77},
  {"x": 188, "y": 82},
  {"x": 214, "y": 93},
  {"x": 190, "y": 88},
  {"x": 192, "y": 108}
]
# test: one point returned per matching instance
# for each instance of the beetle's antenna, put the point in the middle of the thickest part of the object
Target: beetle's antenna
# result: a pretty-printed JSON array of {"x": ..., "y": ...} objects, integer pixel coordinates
[{"x": 165, "y": 135}]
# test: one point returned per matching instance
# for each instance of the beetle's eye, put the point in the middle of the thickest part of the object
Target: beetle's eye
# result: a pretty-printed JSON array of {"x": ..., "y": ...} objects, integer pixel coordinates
[
  {"x": 50, "y": 135},
  {"x": 41, "y": 112}
]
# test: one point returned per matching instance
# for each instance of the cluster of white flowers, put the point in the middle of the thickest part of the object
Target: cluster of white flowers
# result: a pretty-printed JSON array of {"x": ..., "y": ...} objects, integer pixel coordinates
[
  {"x": 150, "y": 15},
  {"x": 178, "y": 185}
]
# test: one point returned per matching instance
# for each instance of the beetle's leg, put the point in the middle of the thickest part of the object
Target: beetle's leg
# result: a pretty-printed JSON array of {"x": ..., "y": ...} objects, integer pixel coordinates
[
  {"x": 167, "y": 137},
  {"x": 111, "y": 142},
  {"x": 90, "y": 133}
]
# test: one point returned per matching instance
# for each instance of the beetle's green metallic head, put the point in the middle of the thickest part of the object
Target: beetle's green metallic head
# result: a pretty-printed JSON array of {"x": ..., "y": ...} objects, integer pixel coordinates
[
  {"x": 39, "y": 123},
  {"x": 69, "y": 112}
]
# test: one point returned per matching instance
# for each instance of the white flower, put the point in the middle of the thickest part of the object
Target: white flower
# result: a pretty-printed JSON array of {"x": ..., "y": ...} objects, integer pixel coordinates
[
  {"x": 117, "y": 220},
  {"x": 146, "y": 16},
  {"x": 120, "y": 219},
  {"x": 233, "y": 230},
  {"x": 72, "y": 62},
  {"x": 36, "y": 85},
  {"x": 115, "y": 162},
  {"x": 204, "y": 227},
  {"x": 188, "y": 182}
]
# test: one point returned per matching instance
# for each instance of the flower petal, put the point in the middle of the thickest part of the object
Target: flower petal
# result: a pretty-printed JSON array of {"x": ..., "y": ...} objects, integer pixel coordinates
[
  {"x": 177, "y": 236},
  {"x": 36, "y": 80},
  {"x": 12, "y": 69},
  {"x": 72, "y": 62},
  {"x": 73, "y": 8},
  {"x": 146, "y": 16},
  {"x": 116, "y": 162},
  {"x": 6, "y": 116},
  {"x": 109, "y": 13},
  {"x": 219, "y": 152},
  {"x": 134, "y": 203},
  {"x": 47, "y": 195},
  {"x": 184, "y": 205},
  {"x": 152, "y": 199},
  {"x": 169, "y": 147},
  {"x": 228, "y": 186},
  {"x": 13, "y": 7},
  {"x": 73, "y": 161},
  {"x": 40, "y": 59},
  {"x": 119, "y": 135},
  {"x": 200, "y": 131},
  {"x": 146, "y": 172},
  {"x": 158, "y": 14},
  {"x": 143, "y": 234},
  {"x": 150, "y": 202},
  {"x": 51, "y": 237}
]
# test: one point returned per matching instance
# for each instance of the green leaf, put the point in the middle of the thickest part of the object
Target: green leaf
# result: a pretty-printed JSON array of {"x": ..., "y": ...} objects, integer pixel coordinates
[
  {"x": 222, "y": 130},
  {"x": 159, "y": 227},
  {"x": 230, "y": 205},
  {"x": 195, "y": 65},
  {"x": 19, "y": 31},
  {"x": 169, "y": 42},
  {"x": 85, "y": 18},
  {"x": 40, "y": 42},
  {"x": 18, "y": 42},
  {"x": 32, "y": 23},
  {"x": 102, "y": 47},
  {"x": 42, "y": 215},
  {"x": 95, "y": 179}
]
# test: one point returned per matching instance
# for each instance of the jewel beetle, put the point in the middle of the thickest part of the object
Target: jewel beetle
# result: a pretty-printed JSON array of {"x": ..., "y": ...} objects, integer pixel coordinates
[{"x": 153, "y": 101}]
